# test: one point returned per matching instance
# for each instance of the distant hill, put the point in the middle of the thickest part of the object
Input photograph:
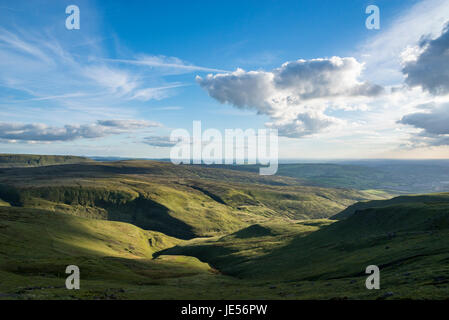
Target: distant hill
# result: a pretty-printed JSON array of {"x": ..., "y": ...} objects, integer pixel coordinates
[
  {"x": 28, "y": 160},
  {"x": 434, "y": 199},
  {"x": 180, "y": 201}
]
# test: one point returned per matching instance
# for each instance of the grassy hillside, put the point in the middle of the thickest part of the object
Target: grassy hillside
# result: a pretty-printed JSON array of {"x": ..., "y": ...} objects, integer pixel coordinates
[
  {"x": 412, "y": 199},
  {"x": 147, "y": 229},
  {"x": 309, "y": 259},
  {"x": 409, "y": 242},
  {"x": 29, "y": 160},
  {"x": 180, "y": 201},
  {"x": 36, "y": 246}
]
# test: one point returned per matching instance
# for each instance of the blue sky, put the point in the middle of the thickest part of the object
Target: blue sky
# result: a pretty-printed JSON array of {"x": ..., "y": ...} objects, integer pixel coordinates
[{"x": 139, "y": 69}]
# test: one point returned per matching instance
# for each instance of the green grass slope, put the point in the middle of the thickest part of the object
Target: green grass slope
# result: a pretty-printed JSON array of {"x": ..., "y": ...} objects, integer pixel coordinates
[
  {"x": 180, "y": 201},
  {"x": 36, "y": 246},
  {"x": 411, "y": 199},
  {"x": 308, "y": 259},
  {"x": 408, "y": 241}
]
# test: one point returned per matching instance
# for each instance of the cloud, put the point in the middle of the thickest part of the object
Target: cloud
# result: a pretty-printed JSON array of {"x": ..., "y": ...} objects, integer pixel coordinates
[
  {"x": 295, "y": 95},
  {"x": 113, "y": 80},
  {"x": 129, "y": 124},
  {"x": 38, "y": 132},
  {"x": 381, "y": 52},
  {"x": 168, "y": 108},
  {"x": 433, "y": 124},
  {"x": 322, "y": 78},
  {"x": 165, "y": 63},
  {"x": 12, "y": 40},
  {"x": 426, "y": 67},
  {"x": 430, "y": 67},
  {"x": 161, "y": 142},
  {"x": 157, "y": 93},
  {"x": 303, "y": 125},
  {"x": 53, "y": 69}
]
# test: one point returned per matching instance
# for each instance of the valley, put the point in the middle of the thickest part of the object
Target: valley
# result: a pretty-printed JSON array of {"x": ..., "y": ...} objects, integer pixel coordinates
[{"x": 152, "y": 230}]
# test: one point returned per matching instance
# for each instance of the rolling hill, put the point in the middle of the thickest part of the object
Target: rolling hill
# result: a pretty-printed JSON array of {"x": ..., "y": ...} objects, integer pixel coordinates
[
  {"x": 325, "y": 259},
  {"x": 180, "y": 201},
  {"x": 152, "y": 230},
  {"x": 401, "y": 200}
]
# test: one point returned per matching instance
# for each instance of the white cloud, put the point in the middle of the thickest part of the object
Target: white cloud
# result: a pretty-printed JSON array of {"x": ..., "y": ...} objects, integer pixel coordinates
[
  {"x": 295, "y": 95},
  {"x": 157, "y": 93},
  {"x": 113, "y": 80},
  {"x": 165, "y": 63}
]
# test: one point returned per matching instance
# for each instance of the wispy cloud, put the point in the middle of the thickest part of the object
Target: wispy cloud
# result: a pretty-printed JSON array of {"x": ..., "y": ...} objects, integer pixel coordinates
[
  {"x": 53, "y": 70},
  {"x": 157, "y": 93},
  {"x": 62, "y": 96},
  {"x": 164, "y": 62},
  {"x": 168, "y": 108},
  {"x": 14, "y": 42}
]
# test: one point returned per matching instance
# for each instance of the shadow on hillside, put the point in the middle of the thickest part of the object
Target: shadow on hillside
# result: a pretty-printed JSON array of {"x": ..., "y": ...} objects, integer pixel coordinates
[
  {"x": 77, "y": 170},
  {"x": 149, "y": 215}
]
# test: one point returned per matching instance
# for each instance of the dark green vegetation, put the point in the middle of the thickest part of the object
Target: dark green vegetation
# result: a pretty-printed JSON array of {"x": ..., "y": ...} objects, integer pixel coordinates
[
  {"x": 152, "y": 230},
  {"x": 21, "y": 160},
  {"x": 434, "y": 199}
]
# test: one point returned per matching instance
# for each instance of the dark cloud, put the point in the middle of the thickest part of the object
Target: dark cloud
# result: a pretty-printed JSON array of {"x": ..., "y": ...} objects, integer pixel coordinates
[
  {"x": 433, "y": 124},
  {"x": 161, "y": 142},
  {"x": 431, "y": 68},
  {"x": 322, "y": 78},
  {"x": 240, "y": 88}
]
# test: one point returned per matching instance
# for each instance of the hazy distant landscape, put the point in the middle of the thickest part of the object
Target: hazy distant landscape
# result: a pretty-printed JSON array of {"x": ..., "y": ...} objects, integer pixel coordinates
[
  {"x": 149, "y": 229},
  {"x": 397, "y": 176}
]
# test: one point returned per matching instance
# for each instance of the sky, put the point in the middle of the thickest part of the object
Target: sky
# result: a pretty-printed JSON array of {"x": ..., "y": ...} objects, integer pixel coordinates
[{"x": 137, "y": 70}]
